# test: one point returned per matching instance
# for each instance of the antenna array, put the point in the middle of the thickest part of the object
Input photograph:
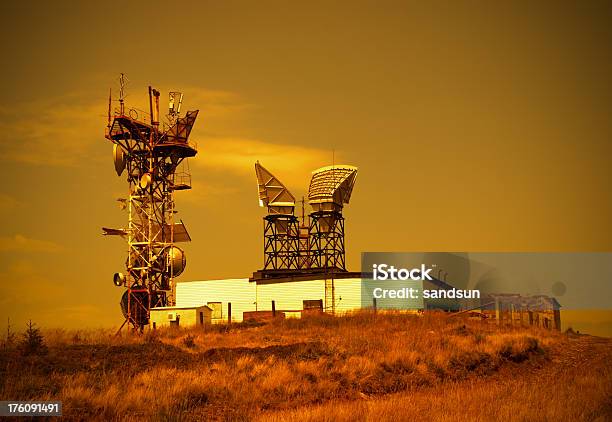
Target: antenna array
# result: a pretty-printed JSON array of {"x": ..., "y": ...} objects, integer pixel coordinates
[
  {"x": 150, "y": 157},
  {"x": 291, "y": 247}
]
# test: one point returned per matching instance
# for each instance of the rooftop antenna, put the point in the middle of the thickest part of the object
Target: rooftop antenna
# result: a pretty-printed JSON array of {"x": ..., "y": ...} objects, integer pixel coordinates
[
  {"x": 175, "y": 100},
  {"x": 330, "y": 290},
  {"x": 110, "y": 99},
  {"x": 304, "y": 253},
  {"x": 122, "y": 81},
  {"x": 333, "y": 162},
  {"x": 154, "y": 108}
]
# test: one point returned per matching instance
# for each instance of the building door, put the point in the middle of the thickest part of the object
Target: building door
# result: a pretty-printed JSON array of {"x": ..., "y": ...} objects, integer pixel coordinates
[
  {"x": 201, "y": 318},
  {"x": 217, "y": 310}
]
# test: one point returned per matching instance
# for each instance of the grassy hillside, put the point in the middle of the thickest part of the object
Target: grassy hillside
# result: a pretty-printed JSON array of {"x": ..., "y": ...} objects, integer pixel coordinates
[{"x": 366, "y": 366}]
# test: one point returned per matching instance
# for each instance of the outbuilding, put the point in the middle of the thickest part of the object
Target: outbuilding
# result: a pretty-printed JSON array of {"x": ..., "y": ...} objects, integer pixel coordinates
[{"x": 174, "y": 316}]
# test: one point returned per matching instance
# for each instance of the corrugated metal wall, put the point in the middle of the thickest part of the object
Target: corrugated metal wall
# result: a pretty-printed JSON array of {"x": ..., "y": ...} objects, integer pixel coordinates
[
  {"x": 289, "y": 296},
  {"x": 187, "y": 317},
  {"x": 239, "y": 291},
  {"x": 244, "y": 295},
  {"x": 348, "y": 294}
]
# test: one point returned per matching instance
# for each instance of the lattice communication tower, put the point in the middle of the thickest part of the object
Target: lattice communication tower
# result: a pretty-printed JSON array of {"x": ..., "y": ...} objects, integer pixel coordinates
[{"x": 153, "y": 155}]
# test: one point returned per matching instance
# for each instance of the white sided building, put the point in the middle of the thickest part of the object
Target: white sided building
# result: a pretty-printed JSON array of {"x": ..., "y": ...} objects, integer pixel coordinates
[
  {"x": 345, "y": 292},
  {"x": 290, "y": 295}
]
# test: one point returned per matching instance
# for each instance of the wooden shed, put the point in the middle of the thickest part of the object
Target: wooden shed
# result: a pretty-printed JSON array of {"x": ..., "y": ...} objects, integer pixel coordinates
[{"x": 539, "y": 310}]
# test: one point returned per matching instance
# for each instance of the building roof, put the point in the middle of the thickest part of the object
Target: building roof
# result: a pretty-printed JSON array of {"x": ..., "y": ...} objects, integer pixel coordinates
[
  {"x": 296, "y": 276},
  {"x": 528, "y": 301},
  {"x": 217, "y": 279},
  {"x": 174, "y": 308}
]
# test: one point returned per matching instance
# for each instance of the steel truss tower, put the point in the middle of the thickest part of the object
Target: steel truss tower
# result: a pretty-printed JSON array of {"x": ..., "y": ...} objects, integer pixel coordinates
[
  {"x": 291, "y": 247},
  {"x": 281, "y": 242},
  {"x": 281, "y": 227},
  {"x": 151, "y": 156},
  {"x": 330, "y": 188},
  {"x": 326, "y": 240}
]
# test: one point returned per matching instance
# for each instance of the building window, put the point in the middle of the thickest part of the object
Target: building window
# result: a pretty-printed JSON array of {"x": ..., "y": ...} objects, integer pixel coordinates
[
  {"x": 217, "y": 310},
  {"x": 311, "y": 305}
]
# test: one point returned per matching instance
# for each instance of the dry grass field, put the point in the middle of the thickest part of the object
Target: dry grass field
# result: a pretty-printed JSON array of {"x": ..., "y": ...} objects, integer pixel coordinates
[{"x": 361, "y": 367}]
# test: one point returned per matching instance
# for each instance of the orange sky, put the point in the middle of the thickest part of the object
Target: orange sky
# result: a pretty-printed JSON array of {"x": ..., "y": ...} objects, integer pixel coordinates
[{"x": 475, "y": 128}]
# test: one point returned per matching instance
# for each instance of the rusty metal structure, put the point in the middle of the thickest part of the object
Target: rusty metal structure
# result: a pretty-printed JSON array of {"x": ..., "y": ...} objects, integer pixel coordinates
[
  {"x": 281, "y": 229},
  {"x": 292, "y": 247},
  {"x": 153, "y": 155},
  {"x": 330, "y": 188}
]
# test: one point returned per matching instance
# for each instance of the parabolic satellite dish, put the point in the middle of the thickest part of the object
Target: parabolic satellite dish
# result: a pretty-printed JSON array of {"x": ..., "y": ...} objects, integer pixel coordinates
[
  {"x": 175, "y": 259},
  {"x": 145, "y": 181},
  {"x": 118, "y": 159},
  {"x": 138, "y": 302},
  {"x": 119, "y": 279}
]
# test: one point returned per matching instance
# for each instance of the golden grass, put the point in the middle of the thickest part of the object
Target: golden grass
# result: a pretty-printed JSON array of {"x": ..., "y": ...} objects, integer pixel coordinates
[
  {"x": 579, "y": 398},
  {"x": 318, "y": 368},
  {"x": 574, "y": 390}
]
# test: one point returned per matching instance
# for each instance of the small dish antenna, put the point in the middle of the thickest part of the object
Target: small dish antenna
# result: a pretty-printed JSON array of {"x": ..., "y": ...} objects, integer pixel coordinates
[
  {"x": 145, "y": 181},
  {"x": 119, "y": 279},
  {"x": 118, "y": 159},
  {"x": 175, "y": 260}
]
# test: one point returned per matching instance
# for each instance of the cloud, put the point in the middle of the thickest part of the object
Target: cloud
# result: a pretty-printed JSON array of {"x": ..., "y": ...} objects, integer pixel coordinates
[
  {"x": 54, "y": 132},
  {"x": 78, "y": 312},
  {"x": 61, "y": 131},
  {"x": 20, "y": 243},
  {"x": 201, "y": 191},
  {"x": 290, "y": 163},
  {"x": 220, "y": 111},
  {"x": 8, "y": 203},
  {"x": 214, "y": 104},
  {"x": 29, "y": 291},
  {"x": 26, "y": 276}
]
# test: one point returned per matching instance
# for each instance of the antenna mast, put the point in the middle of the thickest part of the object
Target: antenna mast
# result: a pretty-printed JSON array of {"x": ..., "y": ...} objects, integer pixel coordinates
[
  {"x": 150, "y": 159},
  {"x": 121, "y": 93}
]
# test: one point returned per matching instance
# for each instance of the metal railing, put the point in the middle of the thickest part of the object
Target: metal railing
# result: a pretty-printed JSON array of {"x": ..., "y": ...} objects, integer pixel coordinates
[{"x": 135, "y": 114}]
